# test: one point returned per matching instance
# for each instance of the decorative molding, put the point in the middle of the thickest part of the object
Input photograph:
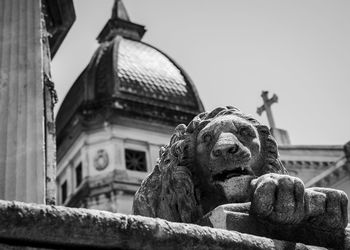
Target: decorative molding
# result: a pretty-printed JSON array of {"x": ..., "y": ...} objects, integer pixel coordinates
[
  {"x": 329, "y": 177},
  {"x": 298, "y": 164},
  {"x": 59, "y": 17},
  {"x": 101, "y": 160}
]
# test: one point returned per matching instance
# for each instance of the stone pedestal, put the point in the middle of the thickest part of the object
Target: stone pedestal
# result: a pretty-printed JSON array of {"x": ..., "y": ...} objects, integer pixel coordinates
[{"x": 22, "y": 136}]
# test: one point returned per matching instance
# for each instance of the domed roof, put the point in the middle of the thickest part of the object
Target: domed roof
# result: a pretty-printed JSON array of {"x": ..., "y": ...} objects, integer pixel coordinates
[
  {"x": 144, "y": 71},
  {"x": 127, "y": 77}
]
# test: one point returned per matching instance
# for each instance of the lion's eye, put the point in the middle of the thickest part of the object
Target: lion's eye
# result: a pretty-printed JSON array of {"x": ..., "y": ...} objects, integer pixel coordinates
[
  {"x": 247, "y": 132},
  {"x": 207, "y": 137}
]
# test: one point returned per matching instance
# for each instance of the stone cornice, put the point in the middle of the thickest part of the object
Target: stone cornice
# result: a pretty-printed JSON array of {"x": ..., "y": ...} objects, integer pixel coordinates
[
  {"x": 302, "y": 164},
  {"x": 311, "y": 147},
  {"x": 335, "y": 173},
  {"x": 59, "y": 17}
]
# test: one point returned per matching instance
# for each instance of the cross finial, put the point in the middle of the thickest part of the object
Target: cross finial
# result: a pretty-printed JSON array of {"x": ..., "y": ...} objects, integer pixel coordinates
[{"x": 267, "y": 107}]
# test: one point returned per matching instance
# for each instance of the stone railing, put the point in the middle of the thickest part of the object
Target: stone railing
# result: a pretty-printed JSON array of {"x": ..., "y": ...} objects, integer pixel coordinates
[{"x": 53, "y": 227}]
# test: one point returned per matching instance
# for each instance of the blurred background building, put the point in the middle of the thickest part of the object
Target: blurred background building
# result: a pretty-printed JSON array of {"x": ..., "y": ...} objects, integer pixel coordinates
[
  {"x": 118, "y": 113},
  {"x": 124, "y": 107}
]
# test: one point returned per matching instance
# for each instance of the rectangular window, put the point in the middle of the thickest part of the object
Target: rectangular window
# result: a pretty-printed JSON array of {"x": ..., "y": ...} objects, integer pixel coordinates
[
  {"x": 78, "y": 174},
  {"x": 135, "y": 160},
  {"x": 64, "y": 191}
]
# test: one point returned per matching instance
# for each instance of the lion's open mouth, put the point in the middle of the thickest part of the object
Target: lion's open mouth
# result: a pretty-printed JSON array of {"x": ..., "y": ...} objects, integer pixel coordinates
[{"x": 229, "y": 173}]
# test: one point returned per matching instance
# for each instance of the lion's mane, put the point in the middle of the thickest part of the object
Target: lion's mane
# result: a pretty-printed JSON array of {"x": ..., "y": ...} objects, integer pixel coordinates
[{"x": 171, "y": 191}]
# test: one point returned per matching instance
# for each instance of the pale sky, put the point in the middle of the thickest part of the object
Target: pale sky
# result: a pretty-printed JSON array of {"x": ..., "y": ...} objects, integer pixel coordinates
[{"x": 232, "y": 50}]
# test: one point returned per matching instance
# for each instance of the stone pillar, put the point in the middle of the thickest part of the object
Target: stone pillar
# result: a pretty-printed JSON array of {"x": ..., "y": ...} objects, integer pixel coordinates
[{"x": 22, "y": 123}]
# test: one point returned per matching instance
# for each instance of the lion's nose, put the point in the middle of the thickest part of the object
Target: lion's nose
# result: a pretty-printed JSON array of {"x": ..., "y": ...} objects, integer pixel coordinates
[
  {"x": 226, "y": 145},
  {"x": 227, "y": 150}
]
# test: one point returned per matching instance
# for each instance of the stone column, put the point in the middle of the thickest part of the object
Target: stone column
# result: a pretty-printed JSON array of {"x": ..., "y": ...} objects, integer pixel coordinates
[{"x": 22, "y": 123}]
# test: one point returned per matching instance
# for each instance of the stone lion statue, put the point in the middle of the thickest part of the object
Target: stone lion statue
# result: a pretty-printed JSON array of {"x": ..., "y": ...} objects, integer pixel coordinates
[{"x": 227, "y": 157}]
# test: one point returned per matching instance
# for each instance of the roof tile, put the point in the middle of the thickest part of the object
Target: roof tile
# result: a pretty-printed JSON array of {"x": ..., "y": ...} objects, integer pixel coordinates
[{"x": 146, "y": 72}]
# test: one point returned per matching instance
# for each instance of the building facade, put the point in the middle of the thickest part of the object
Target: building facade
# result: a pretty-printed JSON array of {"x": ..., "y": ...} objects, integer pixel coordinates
[{"x": 119, "y": 112}]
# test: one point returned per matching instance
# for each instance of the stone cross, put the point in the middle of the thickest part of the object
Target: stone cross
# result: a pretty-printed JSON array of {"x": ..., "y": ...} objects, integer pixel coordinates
[{"x": 267, "y": 107}]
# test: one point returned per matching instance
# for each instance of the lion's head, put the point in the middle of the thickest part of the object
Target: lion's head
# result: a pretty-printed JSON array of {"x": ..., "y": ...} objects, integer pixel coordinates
[{"x": 206, "y": 164}]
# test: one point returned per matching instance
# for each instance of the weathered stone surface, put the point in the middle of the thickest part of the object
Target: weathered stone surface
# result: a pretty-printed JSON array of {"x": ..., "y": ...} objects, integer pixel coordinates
[
  {"x": 201, "y": 163},
  {"x": 19, "y": 247},
  {"x": 67, "y": 228},
  {"x": 227, "y": 157},
  {"x": 21, "y": 102},
  {"x": 233, "y": 217},
  {"x": 27, "y": 132}
]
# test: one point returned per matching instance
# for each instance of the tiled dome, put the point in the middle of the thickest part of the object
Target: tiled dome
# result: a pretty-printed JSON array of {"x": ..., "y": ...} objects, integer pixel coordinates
[
  {"x": 144, "y": 71},
  {"x": 127, "y": 77}
]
